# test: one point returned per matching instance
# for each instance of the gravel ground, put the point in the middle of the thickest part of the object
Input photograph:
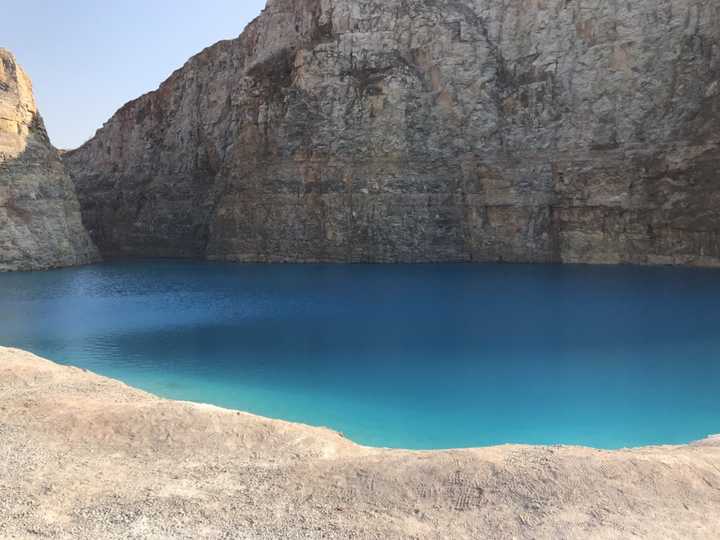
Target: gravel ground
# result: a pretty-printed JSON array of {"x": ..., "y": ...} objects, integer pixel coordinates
[{"x": 86, "y": 457}]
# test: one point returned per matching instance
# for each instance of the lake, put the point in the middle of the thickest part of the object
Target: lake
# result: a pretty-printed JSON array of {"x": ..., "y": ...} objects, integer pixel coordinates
[{"x": 412, "y": 356}]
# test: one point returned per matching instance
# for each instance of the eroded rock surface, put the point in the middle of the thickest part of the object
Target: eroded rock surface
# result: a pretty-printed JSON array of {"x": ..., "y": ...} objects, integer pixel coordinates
[
  {"x": 40, "y": 223},
  {"x": 426, "y": 130},
  {"x": 85, "y": 457}
]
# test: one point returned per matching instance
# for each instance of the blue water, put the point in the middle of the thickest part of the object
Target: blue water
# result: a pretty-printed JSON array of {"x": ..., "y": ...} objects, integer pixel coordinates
[{"x": 431, "y": 356}]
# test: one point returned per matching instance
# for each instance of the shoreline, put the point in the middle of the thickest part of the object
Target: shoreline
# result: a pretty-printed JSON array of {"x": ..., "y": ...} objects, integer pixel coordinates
[
  {"x": 713, "y": 266},
  {"x": 710, "y": 438},
  {"x": 85, "y": 456},
  {"x": 707, "y": 440}
]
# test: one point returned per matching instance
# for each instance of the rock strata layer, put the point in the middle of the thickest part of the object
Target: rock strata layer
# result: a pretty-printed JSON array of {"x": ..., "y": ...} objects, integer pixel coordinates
[
  {"x": 425, "y": 130},
  {"x": 85, "y": 457},
  {"x": 40, "y": 222}
]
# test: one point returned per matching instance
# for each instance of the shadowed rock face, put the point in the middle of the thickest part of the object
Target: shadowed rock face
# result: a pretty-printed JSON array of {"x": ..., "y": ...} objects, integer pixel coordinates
[
  {"x": 40, "y": 224},
  {"x": 425, "y": 130}
]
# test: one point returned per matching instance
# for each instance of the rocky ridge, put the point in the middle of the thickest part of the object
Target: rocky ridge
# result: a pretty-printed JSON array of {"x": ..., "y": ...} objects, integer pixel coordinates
[
  {"x": 425, "y": 130},
  {"x": 40, "y": 222}
]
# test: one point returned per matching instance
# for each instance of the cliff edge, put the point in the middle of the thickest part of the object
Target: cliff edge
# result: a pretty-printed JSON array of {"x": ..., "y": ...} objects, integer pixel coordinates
[{"x": 40, "y": 221}]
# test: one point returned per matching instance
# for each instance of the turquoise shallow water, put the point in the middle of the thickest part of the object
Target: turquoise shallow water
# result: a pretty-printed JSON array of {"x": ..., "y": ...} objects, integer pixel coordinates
[{"x": 431, "y": 356}]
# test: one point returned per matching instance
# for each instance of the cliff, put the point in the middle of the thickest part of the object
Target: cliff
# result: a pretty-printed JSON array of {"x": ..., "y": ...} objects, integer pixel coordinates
[
  {"x": 419, "y": 130},
  {"x": 40, "y": 222},
  {"x": 86, "y": 457}
]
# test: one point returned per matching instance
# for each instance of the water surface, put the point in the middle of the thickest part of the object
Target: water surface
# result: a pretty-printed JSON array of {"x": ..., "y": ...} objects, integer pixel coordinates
[{"x": 430, "y": 356}]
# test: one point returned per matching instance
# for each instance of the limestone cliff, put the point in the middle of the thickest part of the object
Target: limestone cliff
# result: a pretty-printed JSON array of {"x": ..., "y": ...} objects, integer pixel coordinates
[
  {"x": 40, "y": 223},
  {"x": 425, "y": 130}
]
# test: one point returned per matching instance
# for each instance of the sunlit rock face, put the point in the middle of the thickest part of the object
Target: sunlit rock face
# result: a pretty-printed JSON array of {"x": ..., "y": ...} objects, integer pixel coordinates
[
  {"x": 40, "y": 223},
  {"x": 419, "y": 130}
]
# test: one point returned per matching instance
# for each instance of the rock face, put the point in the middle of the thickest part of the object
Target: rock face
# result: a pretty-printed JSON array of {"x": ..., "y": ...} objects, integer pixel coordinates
[
  {"x": 40, "y": 223},
  {"x": 425, "y": 130}
]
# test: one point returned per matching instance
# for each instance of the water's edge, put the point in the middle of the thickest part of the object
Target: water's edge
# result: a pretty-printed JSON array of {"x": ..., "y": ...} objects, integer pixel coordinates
[
  {"x": 131, "y": 464},
  {"x": 416, "y": 356},
  {"x": 711, "y": 440}
]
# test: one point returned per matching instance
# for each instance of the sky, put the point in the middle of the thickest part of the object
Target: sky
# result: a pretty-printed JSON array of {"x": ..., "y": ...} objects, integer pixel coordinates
[{"x": 87, "y": 58}]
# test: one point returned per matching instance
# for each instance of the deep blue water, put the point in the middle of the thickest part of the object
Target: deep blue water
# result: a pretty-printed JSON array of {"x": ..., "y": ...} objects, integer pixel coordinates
[{"x": 430, "y": 356}]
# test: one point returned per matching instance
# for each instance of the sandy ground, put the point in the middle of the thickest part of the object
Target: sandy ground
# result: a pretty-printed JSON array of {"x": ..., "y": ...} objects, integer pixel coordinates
[{"x": 86, "y": 457}]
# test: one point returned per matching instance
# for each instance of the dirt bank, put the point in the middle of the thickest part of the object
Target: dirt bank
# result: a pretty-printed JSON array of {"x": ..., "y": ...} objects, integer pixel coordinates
[{"x": 83, "y": 456}]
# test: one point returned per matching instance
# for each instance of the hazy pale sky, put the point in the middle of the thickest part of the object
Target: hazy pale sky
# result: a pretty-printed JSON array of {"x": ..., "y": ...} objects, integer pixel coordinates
[{"x": 88, "y": 57}]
